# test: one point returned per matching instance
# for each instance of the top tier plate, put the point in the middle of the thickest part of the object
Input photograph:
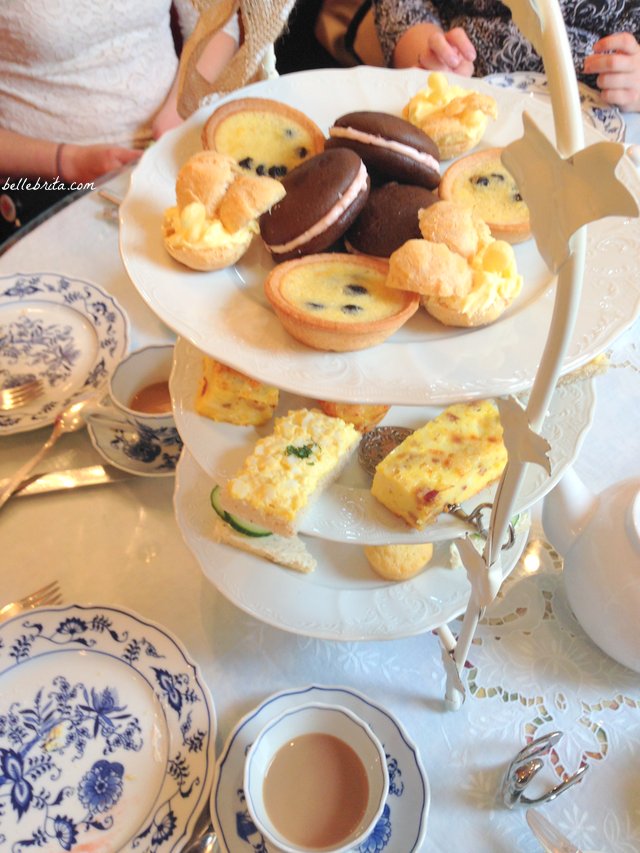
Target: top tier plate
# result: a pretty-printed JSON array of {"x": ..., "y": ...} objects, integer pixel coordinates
[{"x": 226, "y": 315}]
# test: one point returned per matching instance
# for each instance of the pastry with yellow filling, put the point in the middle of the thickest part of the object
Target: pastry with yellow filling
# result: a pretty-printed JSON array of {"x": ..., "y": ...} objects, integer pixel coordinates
[
  {"x": 263, "y": 136},
  {"x": 482, "y": 182},
  {"x": 464, "y": 276},
  {"x": 227, "y": 395},
  {"x": 447, "y": 461},
  {"x": 287, "y": 469},
  {"x": 337, "y": 301},
  {"x": 216, "y": 212},
  {"x": 398, "y": 562},
  {"x": 454, "y": 117}
]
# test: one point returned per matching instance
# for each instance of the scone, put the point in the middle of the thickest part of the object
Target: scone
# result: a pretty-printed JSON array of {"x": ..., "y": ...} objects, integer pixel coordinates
[
  {"x": 454, "y": 117},
  {"x": 482, "y": 182},
  {"x": 398, "y": 562},
  {"x": 263, "y": 136},
  {"x": 445, "y": 462},
  {"x": 216, "y": 212},
  {"x": 229, "y": 396},
  {"x": 363, "y": 417},
  {"x": 338, "y": 302},
  {"x": 287, "y": 469}
]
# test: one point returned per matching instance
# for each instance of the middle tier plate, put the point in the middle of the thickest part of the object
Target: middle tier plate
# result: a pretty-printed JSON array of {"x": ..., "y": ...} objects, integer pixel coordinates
[{"x": 346, "y": 511}]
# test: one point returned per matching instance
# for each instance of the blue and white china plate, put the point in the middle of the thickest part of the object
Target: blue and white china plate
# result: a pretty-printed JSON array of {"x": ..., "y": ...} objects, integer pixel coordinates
[
  {"x": 403, "y": 824},
  {"x": 605, "y": 118},
  {"x": 65, "y": 331},
  {"x": 107, "y": 733},
  {"x": 225, "y": 313},
  {"x": 343, "y": 599},
  {"x": 154, "y": 454}
]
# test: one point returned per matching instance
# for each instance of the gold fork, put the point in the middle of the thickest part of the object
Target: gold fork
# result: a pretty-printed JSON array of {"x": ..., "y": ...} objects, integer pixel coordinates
[
  {"x": 20, "y": 395},
  {"x": 49, "y": 594}
]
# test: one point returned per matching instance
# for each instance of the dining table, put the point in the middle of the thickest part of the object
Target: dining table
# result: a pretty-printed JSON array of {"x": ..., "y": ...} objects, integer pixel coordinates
[{"x": 532, "y": 669}]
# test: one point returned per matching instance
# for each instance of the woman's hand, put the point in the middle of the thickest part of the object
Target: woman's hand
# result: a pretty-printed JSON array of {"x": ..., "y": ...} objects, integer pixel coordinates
[
  {"x": 85, "y": 163},
  {"x": 427, "y": 46},
  {"x": 616, "y": 62}
]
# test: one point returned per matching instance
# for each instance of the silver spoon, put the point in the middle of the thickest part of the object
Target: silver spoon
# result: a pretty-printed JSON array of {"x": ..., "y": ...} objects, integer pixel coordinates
[{"x": 71, "y": 419}]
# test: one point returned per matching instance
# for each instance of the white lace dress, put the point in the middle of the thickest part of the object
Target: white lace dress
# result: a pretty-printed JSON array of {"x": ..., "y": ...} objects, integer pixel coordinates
[{"x": 83, "y": 70}]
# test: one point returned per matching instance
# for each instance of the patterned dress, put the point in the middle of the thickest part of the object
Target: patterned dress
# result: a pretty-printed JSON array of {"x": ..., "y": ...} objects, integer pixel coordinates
[{"x": 498, "y": 42}]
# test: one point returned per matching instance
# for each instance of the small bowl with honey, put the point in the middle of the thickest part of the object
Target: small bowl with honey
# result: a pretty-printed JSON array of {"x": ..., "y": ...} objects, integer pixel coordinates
[{"x": 316, "y": 779}]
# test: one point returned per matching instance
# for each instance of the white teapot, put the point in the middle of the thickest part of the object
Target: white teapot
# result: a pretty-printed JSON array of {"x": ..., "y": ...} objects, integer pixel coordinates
[{"x": 599, "y": 538}]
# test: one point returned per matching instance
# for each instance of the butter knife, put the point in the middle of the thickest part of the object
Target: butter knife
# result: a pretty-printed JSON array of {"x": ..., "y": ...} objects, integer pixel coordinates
[
  {"x": 72, "y": 478},
  {"x": 552, "y": 840}
]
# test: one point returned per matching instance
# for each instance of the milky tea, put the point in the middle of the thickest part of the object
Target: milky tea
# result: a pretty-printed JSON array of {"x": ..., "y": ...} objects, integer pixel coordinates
[{"x": 316, "y": 791}]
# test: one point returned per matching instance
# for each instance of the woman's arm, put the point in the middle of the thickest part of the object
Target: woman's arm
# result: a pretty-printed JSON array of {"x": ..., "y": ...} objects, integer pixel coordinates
[
  {"x": 427, "y": 46},
  {"x": 25, "y": 156},
  {"x": 215, "y": 57}
]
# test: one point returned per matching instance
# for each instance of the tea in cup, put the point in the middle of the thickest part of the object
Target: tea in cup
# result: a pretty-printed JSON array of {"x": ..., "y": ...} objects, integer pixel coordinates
[
  {"x": 316, "y": 778},
  {"x": 138, "y": 416}
]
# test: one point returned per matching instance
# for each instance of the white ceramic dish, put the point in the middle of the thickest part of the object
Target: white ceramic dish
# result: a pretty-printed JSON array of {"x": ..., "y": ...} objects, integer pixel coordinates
[
  {"x": 65, "y": 331},
  {"x": 346, "y": 511},
  {"x": 226, "y": 314},
  {"x": 107, "y": 729},
  {"x": 403, "y": 825},
  {"x": 343, "y": 599},
  {"x": 154, "y": 454}
]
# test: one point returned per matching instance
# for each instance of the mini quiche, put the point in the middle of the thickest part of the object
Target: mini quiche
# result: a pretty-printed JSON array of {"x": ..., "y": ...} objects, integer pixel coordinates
[
  {"x": 263, "y": 136},
  {"x": 338, "y": 302},
  {"x": 482, "y": 182}
]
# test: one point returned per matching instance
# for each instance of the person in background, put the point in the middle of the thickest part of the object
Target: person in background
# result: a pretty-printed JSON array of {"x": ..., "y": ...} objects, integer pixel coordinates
[
  {"x": 85, "y": 86},
  {"x": 478, "y": 37}
]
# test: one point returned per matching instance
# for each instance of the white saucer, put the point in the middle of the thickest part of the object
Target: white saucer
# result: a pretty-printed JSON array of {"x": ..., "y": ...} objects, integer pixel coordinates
[
  {"x": 65, "y": 331},
  {"x": 107, "y": 733},
  {"x": 403, "y": 824},
  {"x": 151, "y": 456}
]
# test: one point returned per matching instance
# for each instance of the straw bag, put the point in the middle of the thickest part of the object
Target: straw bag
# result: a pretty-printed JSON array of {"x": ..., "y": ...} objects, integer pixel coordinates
[{"x": 261, "y": 22}]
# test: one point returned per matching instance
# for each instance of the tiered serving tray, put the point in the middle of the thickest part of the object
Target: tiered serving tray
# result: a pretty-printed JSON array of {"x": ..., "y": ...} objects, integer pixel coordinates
[{"x": 423, "y": 367}]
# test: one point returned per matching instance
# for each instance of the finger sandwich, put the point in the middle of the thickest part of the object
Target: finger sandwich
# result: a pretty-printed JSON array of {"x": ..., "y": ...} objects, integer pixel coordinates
[{"x": 287, "y": 469}]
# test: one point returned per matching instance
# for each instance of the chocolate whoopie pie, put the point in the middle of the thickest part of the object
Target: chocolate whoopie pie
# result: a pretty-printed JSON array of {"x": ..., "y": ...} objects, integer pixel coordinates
[
  {"x": 392, "y": 148},
  {"x": 323, "y": 197},
  {"x": 388, "y": 219}
]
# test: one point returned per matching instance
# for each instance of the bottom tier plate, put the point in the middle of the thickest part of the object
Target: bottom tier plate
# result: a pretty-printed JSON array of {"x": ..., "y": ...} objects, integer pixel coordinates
[{"x": 342, "y": 599}]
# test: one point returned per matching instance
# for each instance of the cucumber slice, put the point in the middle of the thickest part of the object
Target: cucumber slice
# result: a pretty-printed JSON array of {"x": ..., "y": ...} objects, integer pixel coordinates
[{"x": 238, "y": 524}]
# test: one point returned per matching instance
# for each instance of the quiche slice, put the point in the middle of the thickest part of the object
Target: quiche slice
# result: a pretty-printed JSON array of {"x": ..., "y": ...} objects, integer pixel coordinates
[{"x": 447, "y": 461}]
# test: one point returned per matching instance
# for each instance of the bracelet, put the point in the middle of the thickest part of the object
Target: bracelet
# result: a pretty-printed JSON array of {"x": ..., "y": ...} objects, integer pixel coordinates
[{"x": 58, "y": 160}]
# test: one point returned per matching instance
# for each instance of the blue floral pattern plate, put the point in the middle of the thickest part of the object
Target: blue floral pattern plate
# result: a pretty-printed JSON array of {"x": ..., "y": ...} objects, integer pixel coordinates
[
  {"x": 107, "y": 733},
  {"x": 605, "y": 118},
  {"x": 155, "y": 453},
  {"x": 403, "y": 824},
  {"x": 68, "y": 332}
]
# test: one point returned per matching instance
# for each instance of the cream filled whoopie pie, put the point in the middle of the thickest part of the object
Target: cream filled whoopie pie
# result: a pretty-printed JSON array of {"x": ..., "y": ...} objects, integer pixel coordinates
[
  {"x": 323, "y": 197},
  {"x": 392, "y": 148}
]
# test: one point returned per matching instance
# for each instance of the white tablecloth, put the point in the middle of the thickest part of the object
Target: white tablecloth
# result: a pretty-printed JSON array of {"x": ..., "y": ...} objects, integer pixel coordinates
[{"x": 531, "y": 668}]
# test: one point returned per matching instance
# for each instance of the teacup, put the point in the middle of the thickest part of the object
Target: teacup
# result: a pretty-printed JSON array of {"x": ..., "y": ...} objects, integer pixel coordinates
[
  {"x": 137, "y": 415},
  {"x": 316, "y": 778}
]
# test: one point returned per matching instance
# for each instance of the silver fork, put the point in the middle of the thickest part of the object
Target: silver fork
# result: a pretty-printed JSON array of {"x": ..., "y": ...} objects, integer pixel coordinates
[
  {"x": 49, "y": 594},
  {"x": 20, "y": 395}
]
